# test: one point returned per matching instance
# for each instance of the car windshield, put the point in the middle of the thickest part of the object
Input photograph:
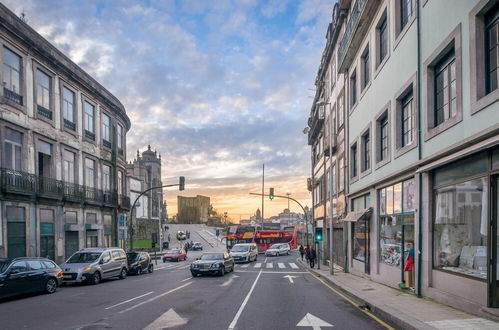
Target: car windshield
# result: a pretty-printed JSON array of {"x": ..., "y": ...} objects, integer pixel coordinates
[
  {"x": 275, "y": 246},
  {"x": 131, "y": 256},
  {"x": 3, "y": 265},
  {"x": 173, "y": 251},
  {"x": 84, "y": 257},
  {"x": 240, "y": 248},
  {"x": 212, "y": 256}
]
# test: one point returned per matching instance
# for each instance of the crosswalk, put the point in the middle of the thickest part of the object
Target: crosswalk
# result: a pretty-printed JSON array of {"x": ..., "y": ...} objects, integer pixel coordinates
[
  {"x": 172, "y": 266},
  {"x": 269, "y": 265}
]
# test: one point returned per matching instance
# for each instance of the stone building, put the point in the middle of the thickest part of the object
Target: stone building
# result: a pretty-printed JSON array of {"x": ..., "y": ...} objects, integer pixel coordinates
[
  {"x": 193, "y": 209},
  {"x": 422, "y": 122},
  {"x": 62, "y": 143},
  {"x": 144, "y": 172}
]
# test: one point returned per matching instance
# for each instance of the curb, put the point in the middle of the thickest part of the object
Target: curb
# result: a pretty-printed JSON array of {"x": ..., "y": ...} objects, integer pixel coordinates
[{"x": 394, "y": 317}]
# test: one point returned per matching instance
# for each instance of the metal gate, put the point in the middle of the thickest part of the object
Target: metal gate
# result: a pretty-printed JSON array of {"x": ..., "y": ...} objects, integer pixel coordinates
[
  {"x": 71, "y": 245},
  {"x": 16, "y": 238}
]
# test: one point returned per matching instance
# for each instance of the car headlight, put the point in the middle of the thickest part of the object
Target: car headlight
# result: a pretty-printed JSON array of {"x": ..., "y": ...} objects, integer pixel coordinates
[
  {"x": 135, "y": 263},
  {"x": 87, "y": 268},
  {"x": 215, "y": 265},
  {"x": 194, "y": 266}
]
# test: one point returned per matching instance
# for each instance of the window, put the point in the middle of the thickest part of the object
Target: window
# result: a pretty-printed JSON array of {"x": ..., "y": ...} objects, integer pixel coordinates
[
  {"x": 12, "y": 76},
  {"x": 445, "y": 89},
  {"x": 68, "y": 166},
  {"x": 365, "y": 68},
  {"x": 333, "y": 72},
  {"x": 106, "y": 130},
  {"x": 119, "y": 138},
  {"x": 91, "y": 218},
  {"x": 120, "y": 182},
  {"x": 365, "y": 151},
  {"x": 491, "y": 48},
  {"x": 89, "y": 172},
  {"x": 382, "y": 39},
  {"x": 360, "y": 230},
  {"x": 70, "y": 217},
  {"x": 13, "y": 150},
  {"x": 383, "y": 138},
  {"x": 334, "y": 179},
  {"x": 68, "y": 101},
  {"x": 328, "y": 183},
  {"x": 405, "y": 12},
  {"x": 407, "y": 120},
  {"x": 353, "y": 160},
  {"x": 89, "y": 111},
  {"x": 341, "y": 112},
  {"x": 106, "y": 177},
  {"x": 353, "y": 88},
  {"x": 43, "y": 93},
  {"x": 341, "y": 174}
]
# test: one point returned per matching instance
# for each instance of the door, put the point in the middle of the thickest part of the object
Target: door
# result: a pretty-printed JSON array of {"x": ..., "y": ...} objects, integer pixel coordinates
[
  {"x": 17, "y": 280},
  {"x": 47, "y": 247},
  {"x": 107, "y": 265},
  {"x": 493, "y": 269},
  {"x": 16, "y": 238},
  {"x": 408, "y": 268},
  {"x": 71, "y": 245}
]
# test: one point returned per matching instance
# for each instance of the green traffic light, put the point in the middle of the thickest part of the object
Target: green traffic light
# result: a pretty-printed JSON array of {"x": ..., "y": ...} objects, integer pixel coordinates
[{"x": 318, "y": 234}]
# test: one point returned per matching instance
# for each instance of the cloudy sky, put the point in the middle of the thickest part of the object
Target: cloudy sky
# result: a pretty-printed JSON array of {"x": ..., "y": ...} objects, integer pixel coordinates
[{"x": 218, "y": 87}]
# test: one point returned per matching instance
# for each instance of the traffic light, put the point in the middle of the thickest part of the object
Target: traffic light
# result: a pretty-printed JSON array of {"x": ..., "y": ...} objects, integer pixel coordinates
[
  {"x": 271, "y": 194},
  {"x": 318, "y": 234},
  {"x": 181, "y": 183}
]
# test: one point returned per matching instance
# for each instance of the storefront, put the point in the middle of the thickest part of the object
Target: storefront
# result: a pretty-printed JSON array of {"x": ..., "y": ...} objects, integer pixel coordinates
[{"x": 360, "y": 219}]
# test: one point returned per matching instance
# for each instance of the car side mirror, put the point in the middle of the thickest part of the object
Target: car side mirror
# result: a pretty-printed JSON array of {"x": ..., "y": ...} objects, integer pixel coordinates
[
  {"x": 197, "y": 258},
  {"x": 101, "y": 262},
  {"x": 14, "y": 271}
]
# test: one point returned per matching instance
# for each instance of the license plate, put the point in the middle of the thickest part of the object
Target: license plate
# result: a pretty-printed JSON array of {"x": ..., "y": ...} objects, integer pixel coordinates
[
  {"x": 68, "y": 276},
  {"x": 204, "y": 270}
]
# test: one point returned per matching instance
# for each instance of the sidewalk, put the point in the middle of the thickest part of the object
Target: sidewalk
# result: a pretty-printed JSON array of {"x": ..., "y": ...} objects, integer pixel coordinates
[{"x": 403, "y": 310}]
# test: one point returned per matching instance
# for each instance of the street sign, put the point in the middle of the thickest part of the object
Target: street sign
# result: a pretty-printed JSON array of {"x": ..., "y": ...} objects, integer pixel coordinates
[
  {"x": 122, "y": 220},
  {"x": 313, "y": 321},
  {"x": 217, "y": 232}
]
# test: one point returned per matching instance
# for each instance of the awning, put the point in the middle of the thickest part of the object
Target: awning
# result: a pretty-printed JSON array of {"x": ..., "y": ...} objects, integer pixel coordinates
[{"x": 357, "y": 215}]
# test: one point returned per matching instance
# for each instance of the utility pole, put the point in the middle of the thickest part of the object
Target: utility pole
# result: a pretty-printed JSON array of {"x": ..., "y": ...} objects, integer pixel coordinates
[{"x": 263, "y": 192}]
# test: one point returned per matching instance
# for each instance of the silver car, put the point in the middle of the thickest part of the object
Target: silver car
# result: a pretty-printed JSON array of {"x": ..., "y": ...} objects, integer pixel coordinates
[
  {"x": 244, "y": 252},
  {"x": 94, "y": 264},
  {"x": 278, "y": 249}
]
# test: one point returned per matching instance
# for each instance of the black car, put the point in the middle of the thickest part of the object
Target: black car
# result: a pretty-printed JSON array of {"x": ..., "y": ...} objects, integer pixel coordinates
[
  {"x": 196, "y": 246},
  {"x": 138, "y": 262},
  {"x": 26, "y": 275},
  {"x": 215, "y": 263}
]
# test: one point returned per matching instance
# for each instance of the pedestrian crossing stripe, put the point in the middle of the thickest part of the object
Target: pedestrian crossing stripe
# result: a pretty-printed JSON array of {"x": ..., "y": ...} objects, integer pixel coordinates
[
  {"x": 270, "y": 265},
  {"x": 281, "y": 265},
  {"x": 293, "y": 265},
  {"x": 245, "y": 266},
  {"x": 258, "y": 265}
]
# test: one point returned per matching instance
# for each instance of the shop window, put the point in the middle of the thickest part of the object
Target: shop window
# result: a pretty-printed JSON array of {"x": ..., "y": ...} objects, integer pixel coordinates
[
  {"x": 460, "y": 228},
  {"x": 360, "y": 239},
  {"x": 468, "y": 167}
]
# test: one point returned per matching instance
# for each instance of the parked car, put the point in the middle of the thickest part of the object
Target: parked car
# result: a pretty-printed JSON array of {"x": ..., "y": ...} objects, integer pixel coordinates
[
  {"x": 181, "y": 235},
  {"x": 95, "y": 264},
  {"x": 212, "y": 263},
  {"x": 175, "y": 255},
  {"x": 197, "y": 246},
  {"x": 244, "y": 252},
  {"x": 138, "y": 262},
  {"x": 278, "y": 249},
  {"x": 26, "y": 275}
]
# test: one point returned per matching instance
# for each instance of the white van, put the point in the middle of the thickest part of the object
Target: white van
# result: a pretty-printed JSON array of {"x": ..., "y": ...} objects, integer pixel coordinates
[{"x": 244, "y": 252}]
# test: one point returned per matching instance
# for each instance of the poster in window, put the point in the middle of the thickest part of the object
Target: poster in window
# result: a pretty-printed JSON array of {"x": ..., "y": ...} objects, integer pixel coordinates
[
  {"x": 409, "y": 190},
  {"x": 382, "y": 201},
  {"x": 389, "y": 200},
  {"x": 397, "y": 198}
]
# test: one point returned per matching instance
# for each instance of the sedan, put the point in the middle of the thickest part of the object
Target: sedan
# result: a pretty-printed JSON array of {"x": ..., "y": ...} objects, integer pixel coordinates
[
  {"x": 174, "y": 255},
  {"x": 214, "y": 263},
  {"x": 197, "y": 246},
  {"x": 138, "y": 262},
  {"x": 26, "y": 275},
  {"x": 278, "y": 249}
]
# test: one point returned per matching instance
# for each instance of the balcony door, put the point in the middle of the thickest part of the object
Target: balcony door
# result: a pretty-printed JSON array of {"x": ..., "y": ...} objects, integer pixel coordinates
[{"x": 44, "y": 158}]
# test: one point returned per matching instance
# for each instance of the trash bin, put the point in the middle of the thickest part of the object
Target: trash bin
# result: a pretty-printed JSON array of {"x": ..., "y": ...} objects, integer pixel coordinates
[{"x": 165, "y": 245}]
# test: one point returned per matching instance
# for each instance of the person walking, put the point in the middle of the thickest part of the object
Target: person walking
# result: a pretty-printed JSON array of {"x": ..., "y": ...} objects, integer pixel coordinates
[
  {"x": 306, "y": 252},
  {"x": 302, "y": 251},
  {"x": 169, "y": 238},
  {"x": 311, "y": 257}
]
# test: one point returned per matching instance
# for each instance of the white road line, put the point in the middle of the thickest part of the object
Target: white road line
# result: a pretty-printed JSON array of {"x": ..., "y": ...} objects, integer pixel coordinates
[
  {"x": 127, "y": 301},
  {"x": 281, "y": 265},
  {"x": 293, "y": 265},
  {"x": 270, "y": 265},
  {"x": 271, "y": 272},
  {"x": 185, "y": 267},
  {"x": 245, "y": 266},
  {"x": 258, "y": 265},
  {"x": 154, "y": 298},
  {"x": 241, "y": 308},
  {"x": 186, "y": 279}
]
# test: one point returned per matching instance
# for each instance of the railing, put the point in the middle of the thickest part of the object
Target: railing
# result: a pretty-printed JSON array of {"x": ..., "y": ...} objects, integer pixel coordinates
[
  {"x": 120, "y": 151},
  {"x": 350, "y": 29},
  {"x": 12, "y": 96},
  {"x": 17, "y": 182},
  {"x": 69, "y": 125},
  {"x": 89, "y": 135},
  {"x": 44, "y": 112},
  {"x": 106, "y": 143}
]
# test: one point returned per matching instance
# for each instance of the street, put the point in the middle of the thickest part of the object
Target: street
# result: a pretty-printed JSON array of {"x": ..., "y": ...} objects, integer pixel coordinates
[{"x": 271, "y": 293}]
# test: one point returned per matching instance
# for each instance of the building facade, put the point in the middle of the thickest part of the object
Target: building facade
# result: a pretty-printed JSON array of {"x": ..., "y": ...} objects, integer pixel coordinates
[
  {"x": 63, "y": 137},
  {"x": 193, "y": 209},
  {"x": 422, "y": 134}
]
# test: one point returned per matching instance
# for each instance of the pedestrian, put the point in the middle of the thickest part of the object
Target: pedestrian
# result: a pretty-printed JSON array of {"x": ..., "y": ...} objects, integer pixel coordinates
[
  {"x": 306, "y": 251},
  {"x": 311, "y": 257},
  {"x": 169, "y": 238},
  {"x": 302, "y": 251}
]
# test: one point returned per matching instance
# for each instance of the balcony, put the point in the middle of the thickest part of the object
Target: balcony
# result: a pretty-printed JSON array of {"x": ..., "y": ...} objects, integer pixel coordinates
[
  {"x": 44, "y": 112},
  {"x": 31, "y": 185},
  {"x": 315, "y": 123},
  {"x": 89, "y": 135},
  {"x": 12, "y": 96},
  {"x": 106, "y": 144},
  {"x": 69, "y": 125}
]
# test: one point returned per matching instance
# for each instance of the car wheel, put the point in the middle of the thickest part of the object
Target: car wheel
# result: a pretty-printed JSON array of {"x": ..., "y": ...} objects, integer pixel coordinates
[
  {"x": 232, "y": 268},
  {"x": 96, "y": 278},
  {"x": 194, "y": 274},
  {"x": 150, "y": 269},
  {"x": 139, "y": 270},
  {"x": 164, "y": 260},
  {"x": 287, "y": 252},
  {"x": 51, "y": 286},
  {"x": 256, "y": 258},
  {"x": 221, "y": 272},
  {"x": 123, "y": 274}
]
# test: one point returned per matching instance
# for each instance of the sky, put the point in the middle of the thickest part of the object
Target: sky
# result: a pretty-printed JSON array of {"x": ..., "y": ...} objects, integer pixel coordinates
[{"x": 218, "y": 87}]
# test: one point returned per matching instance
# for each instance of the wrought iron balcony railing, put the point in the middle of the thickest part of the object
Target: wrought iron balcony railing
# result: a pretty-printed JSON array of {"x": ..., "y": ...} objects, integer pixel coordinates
[
  {"x": 351, "y": 26},
  {"x": 47, "y": 113},
  {"x": 17, "y": 182},
  {"x": 12, "y": 96},
  {"x": 89, "y": 135},
  {"x": 106, "y": 143},
  {"x": 69, "y": 125}
]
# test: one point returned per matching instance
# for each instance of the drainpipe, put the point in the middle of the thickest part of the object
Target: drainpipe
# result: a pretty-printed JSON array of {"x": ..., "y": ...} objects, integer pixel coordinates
[{"x": 420, "y": 177}]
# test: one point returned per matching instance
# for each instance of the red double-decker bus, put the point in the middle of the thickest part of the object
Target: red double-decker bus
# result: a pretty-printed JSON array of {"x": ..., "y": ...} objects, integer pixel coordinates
[
  {"x": 266, "y": 238},
  {"x": 240, "y": 234}
]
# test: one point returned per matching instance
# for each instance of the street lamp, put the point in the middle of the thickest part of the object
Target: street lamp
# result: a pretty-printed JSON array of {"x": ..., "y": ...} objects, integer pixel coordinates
[{"x": 288, "y": 194}]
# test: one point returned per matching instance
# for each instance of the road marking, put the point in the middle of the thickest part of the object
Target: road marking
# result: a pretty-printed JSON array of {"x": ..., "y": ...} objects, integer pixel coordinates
[
  {"x": 290, "y": 278},
  {"x": 229, "y": 281},
  {"x": 169, "y": 319},
  {"x": 258, "y": 265},
  {"x": 374, "y": 317},
  {"x": 154, "y": 298},
  {"x": 271, "y": 272},
  {"x": 293, "y": 265},
  {"x": 245, "y": 266},
  {"x": 313, "y": 321},
  {"x": 186, "y": 279},
  {"x": 281, "y": 265},
  {"x": 127, "y": 301},
  {"x": 265, "y": 259},
  {"x": 241, "y": 308},
  {"x": 270, "y": 265}
]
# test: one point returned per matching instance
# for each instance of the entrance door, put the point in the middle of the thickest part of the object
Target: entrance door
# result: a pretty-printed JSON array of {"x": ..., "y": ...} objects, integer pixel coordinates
[
  {"x": 71, "y": 245},
  {"x": 16, "y": 238},
  {"x": 47, "y": 247},
  {"x": 408, "y": 256},
  {"x": 493, "y": 273}
]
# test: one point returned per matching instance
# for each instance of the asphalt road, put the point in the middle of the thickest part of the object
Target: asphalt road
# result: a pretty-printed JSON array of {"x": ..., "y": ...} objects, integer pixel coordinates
[{"x": 272, "y": 293}]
